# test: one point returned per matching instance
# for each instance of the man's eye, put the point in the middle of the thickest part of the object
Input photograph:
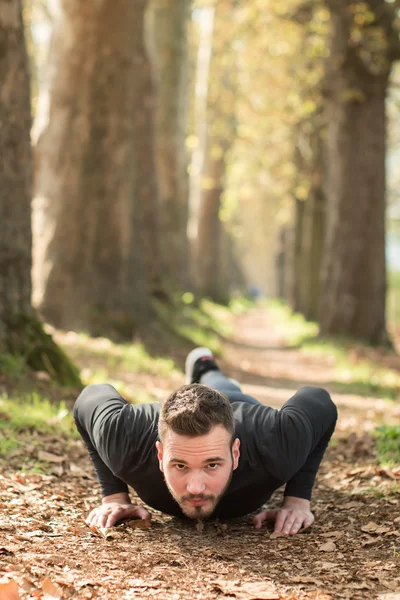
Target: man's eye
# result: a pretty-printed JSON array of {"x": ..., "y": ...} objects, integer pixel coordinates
[
  {"x": 213, "y": 466},
  {"x": 180, "y": 467}
]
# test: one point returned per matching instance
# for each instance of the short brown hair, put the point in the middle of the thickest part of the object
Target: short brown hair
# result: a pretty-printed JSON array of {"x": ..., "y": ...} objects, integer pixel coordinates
[{"x": 194, "y": 410}]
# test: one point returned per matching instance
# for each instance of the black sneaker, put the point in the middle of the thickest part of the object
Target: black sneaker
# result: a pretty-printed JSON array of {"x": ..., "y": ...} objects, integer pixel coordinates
[{"x": 198, "y": 362}]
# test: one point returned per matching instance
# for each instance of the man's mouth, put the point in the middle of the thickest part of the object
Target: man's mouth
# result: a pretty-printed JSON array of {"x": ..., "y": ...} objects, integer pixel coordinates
[{"x": 198, "y": 502}]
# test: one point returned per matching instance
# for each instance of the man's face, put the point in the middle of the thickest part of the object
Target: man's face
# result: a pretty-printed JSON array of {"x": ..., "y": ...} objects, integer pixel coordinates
[{"x": 198, "y": 470}]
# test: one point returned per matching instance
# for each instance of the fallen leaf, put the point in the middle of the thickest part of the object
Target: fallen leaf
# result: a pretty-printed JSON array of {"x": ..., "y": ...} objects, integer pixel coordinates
[
  {"x": 333, "y": 534},
  {"x": 349, "y": 505},
  {"x": 370, "y": 541},
  {"x": 277, "y": 534},
  {"x": 370, "y": 527},
  {"x": 382, "y": 530},
  {"x": 306, "y": 580},
  {"x": 50, "y": 591},
  {"x": 139, "y": 523},
  {"x": 105, "y": 532},
  {"x": 9, "y": 590},
  {"x": 328, "y": 565},
  {"x": 247, "y": 591},
  {"x": 328, "y": 547},
  {"x": 48, "y": 457},
  {"x": 76, "y": 471},
  {"x": 56, "y": 470}
]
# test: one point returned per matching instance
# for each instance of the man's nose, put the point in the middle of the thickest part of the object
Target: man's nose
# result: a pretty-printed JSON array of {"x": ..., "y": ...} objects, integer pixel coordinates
[{"x": 196, "y": 485}]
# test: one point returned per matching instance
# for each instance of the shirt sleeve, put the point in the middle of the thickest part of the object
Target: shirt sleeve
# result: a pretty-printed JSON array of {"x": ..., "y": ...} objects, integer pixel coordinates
[
  {"x": 299, "y": 438},
  {"x": 113, "y": 432}
]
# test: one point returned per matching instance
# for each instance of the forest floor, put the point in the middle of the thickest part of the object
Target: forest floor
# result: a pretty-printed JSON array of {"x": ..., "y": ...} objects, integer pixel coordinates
[{"x": 352, "y": 550}]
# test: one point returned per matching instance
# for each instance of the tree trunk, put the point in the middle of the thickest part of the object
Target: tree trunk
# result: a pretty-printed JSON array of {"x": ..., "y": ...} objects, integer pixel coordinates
[
  {"x": 297, "y": 262},
  {"x": 20, "y": 331},
  {"x": 96, "y": 255},
  {"x": 221, "y": 124},
  {"x": 315, "y": 232},
  {"x": 208, "y": 249},
  {"x": 169, "y": 29},
  {"x": 354, "y": 273}
]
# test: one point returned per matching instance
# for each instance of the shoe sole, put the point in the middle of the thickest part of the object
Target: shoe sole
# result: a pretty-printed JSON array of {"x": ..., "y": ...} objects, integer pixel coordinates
[{"x": 191, "y": 358}]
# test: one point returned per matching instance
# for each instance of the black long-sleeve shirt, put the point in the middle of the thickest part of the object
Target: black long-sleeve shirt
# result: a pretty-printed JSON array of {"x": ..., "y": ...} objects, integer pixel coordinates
[{"x": 276, "y": 447}]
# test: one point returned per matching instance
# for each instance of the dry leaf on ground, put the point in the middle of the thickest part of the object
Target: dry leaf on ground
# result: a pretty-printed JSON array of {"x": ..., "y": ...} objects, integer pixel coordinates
[
  {"x": 48, "y": 457},
  {"x": 328, "y": 547},
  {"x": 9, "y": 590},
  {"x": 248, "y": 591},
  {"x": 139, "y": 523},
  {"x": 50, "y": 591}
]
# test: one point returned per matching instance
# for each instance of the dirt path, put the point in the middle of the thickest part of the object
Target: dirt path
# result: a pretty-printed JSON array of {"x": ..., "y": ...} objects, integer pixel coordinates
[{"x": 352, "y": 551}]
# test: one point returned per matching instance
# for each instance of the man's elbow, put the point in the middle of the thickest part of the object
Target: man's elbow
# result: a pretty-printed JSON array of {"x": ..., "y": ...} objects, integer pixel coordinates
[{"x": 328, "y": 405}]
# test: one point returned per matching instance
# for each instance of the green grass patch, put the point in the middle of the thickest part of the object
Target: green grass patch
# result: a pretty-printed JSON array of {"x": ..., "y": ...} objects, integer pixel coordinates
[
  {"x": 392, "y": 489},
  {"x": 352, "y": 375},
  {"x": 294, "y": 327},
  {"x": 19, "y": 416},
  {"x": 388, "y": 444},
  {"x": 108, "y": 359},
  {"x": 13, "y": 366},
  {"x": 202, "y": 324}
]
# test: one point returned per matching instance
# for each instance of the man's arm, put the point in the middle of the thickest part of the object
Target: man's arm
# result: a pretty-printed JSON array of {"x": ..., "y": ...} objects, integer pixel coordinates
[
  {"x": 95, "y": 405},
  {"x": 315, "y": 406},
  {"x": 96, "y": 414},
  {"x": 306, "y": 423}
]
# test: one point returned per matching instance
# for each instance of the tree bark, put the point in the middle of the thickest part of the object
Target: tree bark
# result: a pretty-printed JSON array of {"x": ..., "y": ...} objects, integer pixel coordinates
[
  {"x": 221, "y": 125},
  {"x": 20, "y": 331},
  {"x": 96, "y": 254},
  {"x": 209, "y": 238},
  {"x": 354, "y": 273},
  {"x": 169, "y": 20}
]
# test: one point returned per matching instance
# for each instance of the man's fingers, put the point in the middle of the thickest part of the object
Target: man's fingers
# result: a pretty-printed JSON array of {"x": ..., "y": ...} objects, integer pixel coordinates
[
  {"x": 115, "y": 515},
  {"x": 142, "y": 513},
  {"x": 296, "y": 526},
  {"x": 263, "y": 516},
  {"x": 280, "y": 520}
]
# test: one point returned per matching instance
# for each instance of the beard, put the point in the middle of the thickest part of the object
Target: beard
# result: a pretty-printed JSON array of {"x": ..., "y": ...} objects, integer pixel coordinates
[{"x": 199, "y": 512}]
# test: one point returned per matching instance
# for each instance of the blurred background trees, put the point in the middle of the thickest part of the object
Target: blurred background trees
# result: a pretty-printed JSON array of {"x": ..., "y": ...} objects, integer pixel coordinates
[{"x": 206, "y": 149}]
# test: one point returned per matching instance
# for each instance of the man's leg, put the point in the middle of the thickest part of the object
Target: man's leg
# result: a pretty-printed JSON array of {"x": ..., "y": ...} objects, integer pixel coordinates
[{"x": 202, "y": 368}]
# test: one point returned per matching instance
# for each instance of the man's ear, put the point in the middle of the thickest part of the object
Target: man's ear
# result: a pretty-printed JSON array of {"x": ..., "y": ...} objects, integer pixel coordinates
[
  {"x": 236, "y": 453},
  {"x": 160, "y": 455}
]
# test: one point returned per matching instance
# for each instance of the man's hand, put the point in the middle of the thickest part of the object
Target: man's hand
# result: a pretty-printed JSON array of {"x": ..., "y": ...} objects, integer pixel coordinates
[
  {"x": 113, "y": 509},
  {"x": 294, "y": 514}
]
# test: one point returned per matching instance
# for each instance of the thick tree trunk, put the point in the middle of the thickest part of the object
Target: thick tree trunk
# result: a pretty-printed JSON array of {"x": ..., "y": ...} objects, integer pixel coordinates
[
  {"x": 221, "y": 103},
  {"x": 354, "y": 274},
  {"x": 169, "y": 19},
  {"x": 20, "y": 331},
  {"x": 96, "y": 255},
  {"x": 208, "y": 248}
]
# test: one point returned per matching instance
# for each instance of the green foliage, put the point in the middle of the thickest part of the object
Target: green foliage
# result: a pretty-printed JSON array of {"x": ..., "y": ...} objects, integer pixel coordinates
[
  {"x": 201, "y": 324},
  {"x": 13, "y": 366},
  {"x": 294, "y": 327},
  {"x": 388, "y": 444},
  {"x": 27, "y": 339},
  {"x": 28, "y": 414},
  {"x": 382, "y": 493}
]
